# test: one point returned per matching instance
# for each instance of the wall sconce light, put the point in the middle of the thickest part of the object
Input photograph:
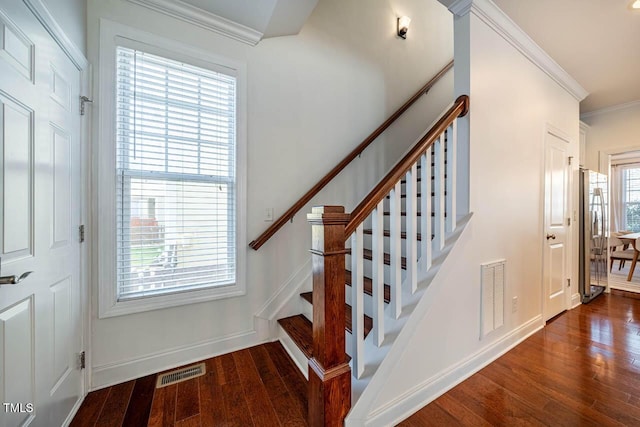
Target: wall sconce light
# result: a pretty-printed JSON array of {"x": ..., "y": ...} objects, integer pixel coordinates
[{"x": 403, "y": 26}]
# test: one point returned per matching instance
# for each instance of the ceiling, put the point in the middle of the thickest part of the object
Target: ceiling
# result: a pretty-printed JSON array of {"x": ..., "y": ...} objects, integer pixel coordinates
[
  {"x": 596, "y": 41},
  {"x": 269, "y": 17}
]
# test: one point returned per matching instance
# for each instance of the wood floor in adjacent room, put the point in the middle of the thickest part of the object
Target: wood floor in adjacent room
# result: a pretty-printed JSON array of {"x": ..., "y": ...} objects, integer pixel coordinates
[{"x": 583, "y": 369}]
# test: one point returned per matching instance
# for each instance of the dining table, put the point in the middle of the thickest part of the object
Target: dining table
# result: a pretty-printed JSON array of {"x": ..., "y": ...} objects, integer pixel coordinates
[{"x": 630, "y": 239}]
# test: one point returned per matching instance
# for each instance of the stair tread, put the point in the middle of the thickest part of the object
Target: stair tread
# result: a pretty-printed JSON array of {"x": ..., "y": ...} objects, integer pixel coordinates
[
  {"x": 402, "y": 213},
  {"x": 404, "y": 196},
  {"x": 433, "y": 214},
  {"x": 387, "y": 233},
  {"x": 368, "y": 286},
  {"x": 368, "y": 254},
  {"x": 404, "y": 181},
  {"x": 368, "y": 321},
  {"x": 300, "y": 330}
]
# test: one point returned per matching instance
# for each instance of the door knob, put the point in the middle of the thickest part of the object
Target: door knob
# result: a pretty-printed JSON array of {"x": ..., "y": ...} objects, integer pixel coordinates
[
  {"x": 551, "y": 236},
  {"x": 14, "y": 280}
]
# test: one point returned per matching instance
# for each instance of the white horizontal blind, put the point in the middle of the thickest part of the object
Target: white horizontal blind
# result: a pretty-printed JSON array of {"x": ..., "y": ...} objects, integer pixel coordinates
[{"x": 176, "y": 187}]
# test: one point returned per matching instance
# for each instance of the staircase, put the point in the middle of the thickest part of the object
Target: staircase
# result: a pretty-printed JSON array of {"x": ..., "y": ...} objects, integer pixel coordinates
[
  {"x": 299, "y": 327},
  {"x": 372, "y": 266},
  {"x": 389, "y": 243}
]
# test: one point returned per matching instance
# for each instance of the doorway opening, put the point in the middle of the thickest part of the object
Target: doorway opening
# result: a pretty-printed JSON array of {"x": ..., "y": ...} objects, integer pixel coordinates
[{"x": 624, "y": 214}]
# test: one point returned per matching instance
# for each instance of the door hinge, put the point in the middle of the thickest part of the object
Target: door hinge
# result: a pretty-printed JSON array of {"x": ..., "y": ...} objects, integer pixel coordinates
[
  {"x": 568, "y": 283},
  {"x": 81, "y": 231},
  {"x": 568, "y": 221},
  {"x": 84, "y": 100},
  {"x": 82, "y": 360},
  {"x": 570, "y": 159}
]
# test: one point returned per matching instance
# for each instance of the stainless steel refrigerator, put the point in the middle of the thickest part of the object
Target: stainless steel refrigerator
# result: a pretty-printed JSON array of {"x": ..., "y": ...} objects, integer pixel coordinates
[{"x": 594, "y": 231}]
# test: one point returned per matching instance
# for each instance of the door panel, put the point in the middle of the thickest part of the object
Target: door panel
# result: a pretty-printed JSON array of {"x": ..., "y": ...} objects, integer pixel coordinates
[
  {"x": 61, "y": 322},
  {"x": 16, "y": 124},
  {"x": 16, "y": 357},
  {"x": 61, "y": 187},
  {"x": 15, "y": 47},
  {"x": 555, "y": 273},
  {"x": 557, "y": 270},
  {"x": 40, "y": 200}
]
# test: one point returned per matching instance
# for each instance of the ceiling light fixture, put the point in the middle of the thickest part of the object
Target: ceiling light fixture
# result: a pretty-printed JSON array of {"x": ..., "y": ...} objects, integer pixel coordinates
[{"x": 635, "y": 4}]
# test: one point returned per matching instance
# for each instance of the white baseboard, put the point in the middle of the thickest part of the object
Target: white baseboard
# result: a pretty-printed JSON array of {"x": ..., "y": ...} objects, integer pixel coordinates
[
  {"x": 624, "y": 286},
  {"x": 408, "y": 403},
  {"x": 116, "y": 373},
  {"x": 575, "y": 300},
  {"x": 73, "y": 412}
]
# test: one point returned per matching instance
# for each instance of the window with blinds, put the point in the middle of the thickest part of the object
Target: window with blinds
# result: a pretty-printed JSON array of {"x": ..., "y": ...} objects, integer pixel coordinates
[
  {"x": 631, "y": 198},
  {"x": 176, "y": 177}
]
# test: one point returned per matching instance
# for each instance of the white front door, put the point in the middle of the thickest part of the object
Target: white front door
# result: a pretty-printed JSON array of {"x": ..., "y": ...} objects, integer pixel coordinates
[
  {"x": 556, "y": 239},
  {"x": 40, "y": 317}
]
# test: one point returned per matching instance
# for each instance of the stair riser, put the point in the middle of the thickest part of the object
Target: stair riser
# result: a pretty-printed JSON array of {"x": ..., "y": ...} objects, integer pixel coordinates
[
  {"x": 368, "y": 238},
  {"x": 348, "y": 338},
  {"x": 403, "y": 223},
  {"x": 306, "y": 309},
  {"x": 367, "y": 266},
  {"x": 368, "y": 301}
]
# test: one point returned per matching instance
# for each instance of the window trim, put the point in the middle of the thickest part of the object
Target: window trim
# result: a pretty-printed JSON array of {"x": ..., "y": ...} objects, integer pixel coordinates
[{"x": 104, "y": 163}]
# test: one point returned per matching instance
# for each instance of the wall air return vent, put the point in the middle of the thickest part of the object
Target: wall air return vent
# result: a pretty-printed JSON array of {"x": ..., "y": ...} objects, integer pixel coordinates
[{"x": 492, "y": 297}]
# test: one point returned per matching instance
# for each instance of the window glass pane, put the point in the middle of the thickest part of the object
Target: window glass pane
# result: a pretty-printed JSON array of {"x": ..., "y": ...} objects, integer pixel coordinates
[
  {"x": 631, "y": 198},
  {"x": 176, "y": 176}
]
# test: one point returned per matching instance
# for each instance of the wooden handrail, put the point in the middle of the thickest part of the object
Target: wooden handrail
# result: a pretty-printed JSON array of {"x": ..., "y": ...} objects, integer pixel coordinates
[
  {"x": 459, "y": 109},
  {"x": 289, "y": 214}
]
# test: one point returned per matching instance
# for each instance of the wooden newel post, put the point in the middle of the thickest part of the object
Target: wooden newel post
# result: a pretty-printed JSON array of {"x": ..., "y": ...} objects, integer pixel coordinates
[{"x": 329, "y": 371}]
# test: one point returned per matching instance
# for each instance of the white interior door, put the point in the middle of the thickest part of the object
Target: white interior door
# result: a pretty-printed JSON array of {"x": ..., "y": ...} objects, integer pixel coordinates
[
  {"x": 556, "y": 239},
  {"x": 40, "y": 317}
]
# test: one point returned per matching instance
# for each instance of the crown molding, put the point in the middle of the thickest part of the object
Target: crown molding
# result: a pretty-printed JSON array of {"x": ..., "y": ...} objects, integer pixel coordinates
[
  {"x": 612, "y": 109},
  {"x": 495, "y": 18},
  {"x": 42, "y": 13},
  {"x": 203, "y": 19}
]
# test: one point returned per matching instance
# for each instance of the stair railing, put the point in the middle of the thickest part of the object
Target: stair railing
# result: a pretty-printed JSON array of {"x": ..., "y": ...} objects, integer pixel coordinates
[
  {"x": 297, "y": 206},
  {"x": 329, "y": 371}
]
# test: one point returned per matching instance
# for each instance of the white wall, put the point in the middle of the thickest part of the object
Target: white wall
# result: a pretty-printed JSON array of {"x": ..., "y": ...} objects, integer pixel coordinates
[
  {"x": 311, "y": 99},
  {"x": 612, "y": 132},
  {"x": 71, "y": 15},
  {"x": 511, "y": 103}
]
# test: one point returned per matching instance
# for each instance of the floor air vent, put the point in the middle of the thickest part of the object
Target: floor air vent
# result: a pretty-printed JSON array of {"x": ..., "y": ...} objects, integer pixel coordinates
[{"x": 180, "y": 375}]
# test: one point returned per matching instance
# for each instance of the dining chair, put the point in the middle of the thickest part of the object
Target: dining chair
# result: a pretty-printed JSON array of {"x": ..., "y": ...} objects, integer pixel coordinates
[{"x": 621, "y": 255}]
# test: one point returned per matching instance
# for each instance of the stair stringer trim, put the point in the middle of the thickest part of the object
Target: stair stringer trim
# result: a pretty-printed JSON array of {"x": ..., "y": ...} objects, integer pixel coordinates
[
  {"x": 285, "y": 302},
  {"x": 380, "y": 361}
]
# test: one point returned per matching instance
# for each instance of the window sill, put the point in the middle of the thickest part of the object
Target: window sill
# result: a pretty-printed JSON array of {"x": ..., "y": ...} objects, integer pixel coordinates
[{"x": 109, "y": 307}]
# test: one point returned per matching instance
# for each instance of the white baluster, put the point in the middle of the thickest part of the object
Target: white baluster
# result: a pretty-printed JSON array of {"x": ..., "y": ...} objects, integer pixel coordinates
[
  {"x": 438, "y": 188},
  {"x": 411, "y": 206},
  {"x": 377, "y": 277},
  {"x": 451, "y": 176},
  {"x": 395, "y": 250},
  {"x": 357, "y": 301},
  {"x": 425, "y": 208}
]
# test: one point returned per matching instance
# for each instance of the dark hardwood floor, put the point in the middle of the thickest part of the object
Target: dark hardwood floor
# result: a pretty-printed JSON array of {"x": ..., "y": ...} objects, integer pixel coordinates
[
  {"x": 582, "y": 369},
  {"x": 259, "y": 386}
]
